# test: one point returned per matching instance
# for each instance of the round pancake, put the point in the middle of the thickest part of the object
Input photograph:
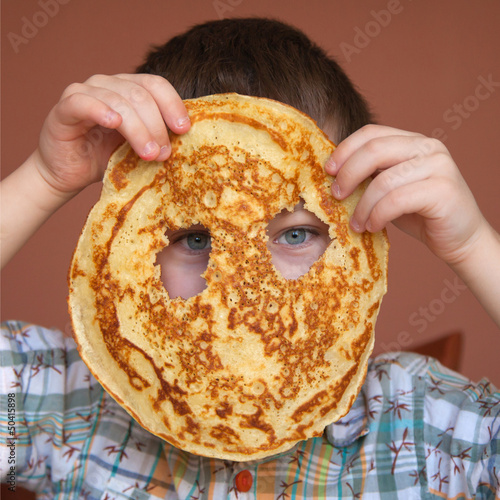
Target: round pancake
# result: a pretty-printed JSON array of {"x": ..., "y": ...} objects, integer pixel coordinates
[{"x": 255, "y": 362}]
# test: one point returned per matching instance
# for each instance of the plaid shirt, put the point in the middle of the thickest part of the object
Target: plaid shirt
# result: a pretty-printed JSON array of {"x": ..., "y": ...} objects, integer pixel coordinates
[{"x": 417, "y": 430}]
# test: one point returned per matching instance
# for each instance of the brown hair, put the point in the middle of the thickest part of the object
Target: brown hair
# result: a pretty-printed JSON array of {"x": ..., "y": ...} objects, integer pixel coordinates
[{"x": 264, "y": 58}]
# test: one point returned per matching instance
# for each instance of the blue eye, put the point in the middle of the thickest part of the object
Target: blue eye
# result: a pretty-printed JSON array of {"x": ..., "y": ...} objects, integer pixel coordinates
[
  {"x": 295, "y": 236},
  {"x": 198, "y": 241}
]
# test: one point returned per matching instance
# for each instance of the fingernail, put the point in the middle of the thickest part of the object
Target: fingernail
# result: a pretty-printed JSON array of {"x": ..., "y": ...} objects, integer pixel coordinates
[
  {"x": 330, "y": 166},
  {"x": 336, "y": 190},
  {"x": 164, "y": 152},
  {"x": 150, "y": 148},
  {"x": 355, "y": 225},
  {"x": 181, "y": 122}
]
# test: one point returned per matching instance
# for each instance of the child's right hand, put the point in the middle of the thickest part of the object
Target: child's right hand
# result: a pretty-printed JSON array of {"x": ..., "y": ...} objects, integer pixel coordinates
[
  {"x": 76, "y": 141},
  {"x": 93, "y": 117}
]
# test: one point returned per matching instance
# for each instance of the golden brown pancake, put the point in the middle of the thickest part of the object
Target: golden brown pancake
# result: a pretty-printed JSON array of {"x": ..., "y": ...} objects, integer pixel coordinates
[{"x": 254, "y": 363}]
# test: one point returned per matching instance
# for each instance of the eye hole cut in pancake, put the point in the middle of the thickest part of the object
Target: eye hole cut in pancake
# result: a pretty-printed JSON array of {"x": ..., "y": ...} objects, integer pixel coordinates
[
  {"x": 184, "y": 261},
  {"x": 296, "y": 239},
  {"x": 254, "y": 363}
]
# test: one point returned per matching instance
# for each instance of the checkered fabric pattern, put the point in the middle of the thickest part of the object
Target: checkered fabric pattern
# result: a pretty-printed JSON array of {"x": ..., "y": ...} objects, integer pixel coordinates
[{"x": 416, "y": 430}]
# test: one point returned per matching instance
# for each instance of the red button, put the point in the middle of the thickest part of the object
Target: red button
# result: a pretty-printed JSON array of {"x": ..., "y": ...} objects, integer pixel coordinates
[{"x": 243, "y": 481}]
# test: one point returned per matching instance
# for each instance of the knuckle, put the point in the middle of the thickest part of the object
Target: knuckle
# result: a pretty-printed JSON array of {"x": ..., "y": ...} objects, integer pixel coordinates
[
  {"x": 369, "y": 128},
  {"x": 152, "y": 82},
  {"x": 121, "y": 106},
  {"x": 429, "y": 146},
  {"x": 443, "y": 188},
  {"x": 396, "y": 198},
  {"x": 419, "y": 135},
  {"x": 442, "y": 159},
  {"x": 73, "y": 99},
  {"x": 96, "y": 80},
  {"x": 139, "y": 94},
  {"x": 407, "y": 169},
  {"x": 387, "y": 180},
  {"x": 373, "y": 147},
  {"x": 72, "y": 88}
]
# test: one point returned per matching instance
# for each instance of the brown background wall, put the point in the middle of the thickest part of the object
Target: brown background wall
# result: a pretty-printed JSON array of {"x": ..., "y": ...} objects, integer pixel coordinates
[{"x": 419, "y": 66}]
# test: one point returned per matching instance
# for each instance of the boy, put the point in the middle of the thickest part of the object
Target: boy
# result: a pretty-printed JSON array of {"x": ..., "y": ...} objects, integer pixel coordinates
[{"x": 415, "y": 429}]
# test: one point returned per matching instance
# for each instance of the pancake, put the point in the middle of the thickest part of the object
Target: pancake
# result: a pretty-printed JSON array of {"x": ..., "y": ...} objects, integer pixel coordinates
[{"x": 254, "y": 363}]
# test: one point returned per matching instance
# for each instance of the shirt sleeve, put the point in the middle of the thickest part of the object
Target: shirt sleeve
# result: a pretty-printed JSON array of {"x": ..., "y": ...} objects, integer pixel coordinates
[
  {"x": 462, "y": 434},
  {"x": 49, "y": 396}
]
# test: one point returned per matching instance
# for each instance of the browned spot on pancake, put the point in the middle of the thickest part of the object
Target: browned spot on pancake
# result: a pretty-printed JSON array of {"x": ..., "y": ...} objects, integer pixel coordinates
[
  {"x": 373, "y": 309},
  {"x": 366, "y": 285},
  {"x": 371, "y": 256},
  {"x": 224, "y": 410},
  {"x": 256, "y": 421},
  {"x": 335, "y": 392},
  {"x": 225, "y": 434},
  {"x": 76, "y": 271},
  {"x": 118, "y": 175},
  {"x": 192, "y": 427},
  {"x": 309, "y": 406},
  {"x": 354, "y": 253},
  {"x": 358, "y": 346},
  {"x": 166, "y": 422}
]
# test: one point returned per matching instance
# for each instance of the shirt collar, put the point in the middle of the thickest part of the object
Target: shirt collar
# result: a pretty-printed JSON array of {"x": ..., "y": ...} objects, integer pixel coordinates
[{"x": 352, "y": 426}]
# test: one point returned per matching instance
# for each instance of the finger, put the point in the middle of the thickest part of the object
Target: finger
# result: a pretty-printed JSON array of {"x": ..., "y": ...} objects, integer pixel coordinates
[
  {"x": 380, "y": 154},
  {"x": 415, "y": 198},
  {"x": 78, "y": 113},
  {"x": 145, "y": 135},
  {"x": 169, "y": 102},
  {"x": 143, "y": 125},
  {"x": 155, "y": 102},
  {"x": 407, "y": 172},
  {"x": 356, "y": 140}
]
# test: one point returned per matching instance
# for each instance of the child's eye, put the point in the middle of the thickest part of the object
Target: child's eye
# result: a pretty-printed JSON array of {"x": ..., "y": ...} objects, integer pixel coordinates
[
  {"x": 197, "y": 241},
  {"x": 191, "y": 240},
  {"x": 295, "y": 236}
]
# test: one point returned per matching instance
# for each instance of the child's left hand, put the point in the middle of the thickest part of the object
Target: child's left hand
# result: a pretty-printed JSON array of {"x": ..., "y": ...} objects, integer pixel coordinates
[{"x": 416, "y": 185}]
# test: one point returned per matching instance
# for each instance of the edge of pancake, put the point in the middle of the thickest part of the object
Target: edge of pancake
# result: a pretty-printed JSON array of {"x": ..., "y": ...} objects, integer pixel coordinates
[{"x": 124, "y": 387}]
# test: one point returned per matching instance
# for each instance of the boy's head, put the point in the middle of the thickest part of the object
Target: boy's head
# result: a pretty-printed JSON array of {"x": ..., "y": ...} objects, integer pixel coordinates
[{"x": 263, "y": 58}]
